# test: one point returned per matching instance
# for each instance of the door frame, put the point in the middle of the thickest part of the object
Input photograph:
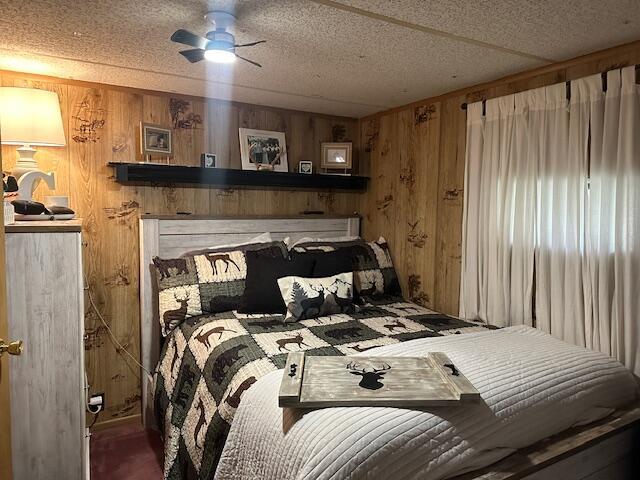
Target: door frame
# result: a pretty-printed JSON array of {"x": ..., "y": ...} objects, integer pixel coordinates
[{"x": 5, "y": 397}]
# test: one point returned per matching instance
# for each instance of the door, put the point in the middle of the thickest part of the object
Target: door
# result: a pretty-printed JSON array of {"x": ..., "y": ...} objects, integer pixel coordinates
[
  {"x": 7, "y": 348},
  {"x": 5, "y": 407}
]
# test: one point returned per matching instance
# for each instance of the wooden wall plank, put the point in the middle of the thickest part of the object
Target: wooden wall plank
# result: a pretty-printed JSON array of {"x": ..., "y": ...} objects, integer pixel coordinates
[
  {"x": 401, "y": 204},
  {"x": 421, "y": 224},
  {"x": 117, "y": 285},
  {"x": 449, "y": 213}
]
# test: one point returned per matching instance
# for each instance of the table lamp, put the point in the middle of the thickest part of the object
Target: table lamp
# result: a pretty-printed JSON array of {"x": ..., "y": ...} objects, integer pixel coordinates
[{"x": 30, "y": 117}]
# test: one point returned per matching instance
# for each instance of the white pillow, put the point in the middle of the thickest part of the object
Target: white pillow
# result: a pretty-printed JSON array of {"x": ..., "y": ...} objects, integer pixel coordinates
[
  {"x": 262, "y": 238},
  {"x": 316, "y": 297},
  {"x": 290, "y": 245}
]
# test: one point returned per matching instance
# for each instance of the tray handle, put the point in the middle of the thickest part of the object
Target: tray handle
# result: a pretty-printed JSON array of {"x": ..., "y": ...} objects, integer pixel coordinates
[
  {"x": 464, "y": 387},
  {"x": 291, "y": 380}
]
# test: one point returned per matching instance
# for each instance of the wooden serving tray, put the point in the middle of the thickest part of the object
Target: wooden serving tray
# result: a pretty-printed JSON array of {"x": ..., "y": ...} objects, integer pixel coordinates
[{"x": 315, "y": 382}]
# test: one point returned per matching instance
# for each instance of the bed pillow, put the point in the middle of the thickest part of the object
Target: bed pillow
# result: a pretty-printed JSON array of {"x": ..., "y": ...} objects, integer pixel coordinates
[
  {"x": 210, "y": 282},
  {"x": 262, "y": 238},
  {"x": 261, "y": 292},
  {"x": 327, "y": 264},
  {"x": 316, "y": 297},
  {"x": 256, "y": 243},
  {"x": 290, "y": 243},
  {"x": 371, "y": 261}
]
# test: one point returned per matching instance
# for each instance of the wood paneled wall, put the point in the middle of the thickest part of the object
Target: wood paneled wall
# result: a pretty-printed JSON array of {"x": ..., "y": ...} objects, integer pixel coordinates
[
  {"x": 110, "y": 211},
  {"x": 415, "y": 157}
]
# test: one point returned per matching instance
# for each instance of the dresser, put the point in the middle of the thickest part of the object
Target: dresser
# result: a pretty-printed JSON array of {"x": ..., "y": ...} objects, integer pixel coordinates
[{"x": 45, "y": 309}]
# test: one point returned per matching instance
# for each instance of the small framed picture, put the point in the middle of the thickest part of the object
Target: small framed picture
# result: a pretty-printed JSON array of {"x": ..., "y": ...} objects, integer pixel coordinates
[
  {"x": 208, "y": 160},
  {"x": 155, "y": 140},
  {"x": 336, "y": 156},
  {"x": 305, "y": 166},
  {"x": 263, "y": 150}
]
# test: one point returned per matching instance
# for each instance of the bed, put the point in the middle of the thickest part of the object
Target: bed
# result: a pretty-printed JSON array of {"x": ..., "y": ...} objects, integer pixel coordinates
[
  {"x": 532, "y": 386},
  {"x": 195, "y": 416},
  {"x": 210, "y": 362}
]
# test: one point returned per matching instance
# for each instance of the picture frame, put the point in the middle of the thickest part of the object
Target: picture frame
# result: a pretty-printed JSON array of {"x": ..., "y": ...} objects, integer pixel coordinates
[
  {"x": 336, "y": 155},
  {"x": 305, "y": 166},
  {"x": 155, "y": 140},
  {"x": 263, "y": 150},
  {"x": 208, "y": 160}
]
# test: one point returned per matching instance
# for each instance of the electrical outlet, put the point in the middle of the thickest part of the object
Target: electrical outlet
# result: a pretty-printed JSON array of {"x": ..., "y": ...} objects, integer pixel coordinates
[{"x": 96, "y": 403}]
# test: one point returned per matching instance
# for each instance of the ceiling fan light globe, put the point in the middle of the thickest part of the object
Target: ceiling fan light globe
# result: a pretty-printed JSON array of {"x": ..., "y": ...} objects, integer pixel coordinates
[{"x": 220, "y": 56}]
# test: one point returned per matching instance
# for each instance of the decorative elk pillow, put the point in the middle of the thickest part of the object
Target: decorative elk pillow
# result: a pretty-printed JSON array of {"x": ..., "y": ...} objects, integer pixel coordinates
[
  {"x": 209, "y": 282},
  {"x": 317, "y": 297},
  {"x": 371, "y": 263}
]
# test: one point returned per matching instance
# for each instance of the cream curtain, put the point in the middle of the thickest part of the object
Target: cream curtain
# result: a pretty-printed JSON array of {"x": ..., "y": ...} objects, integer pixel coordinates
[
  {"x": 560, "y": 261},
  {"x": 500, "y": 207},
  {"x": 613, "y": 222},
  {"x": 552, "y": 213},
  {"x": 470, "y": 290}
]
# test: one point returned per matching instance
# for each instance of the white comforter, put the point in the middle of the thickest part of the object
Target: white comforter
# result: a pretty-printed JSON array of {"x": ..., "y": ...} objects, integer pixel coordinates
[{"x": 532, "y": 386}]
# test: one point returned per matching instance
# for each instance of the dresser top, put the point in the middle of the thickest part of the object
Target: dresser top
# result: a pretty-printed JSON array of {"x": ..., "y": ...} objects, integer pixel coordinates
[{"x": 45, "y": 226}]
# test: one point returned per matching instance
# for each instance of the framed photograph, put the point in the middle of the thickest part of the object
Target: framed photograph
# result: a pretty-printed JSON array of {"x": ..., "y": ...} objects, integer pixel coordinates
[
  {"x": 155, "y": 140},
  {"x": 336, "y": 156},
  {"x": 208, "y": 160},
  {"x": 263, "y": 150},
  {"x": 305, "y": 166}
]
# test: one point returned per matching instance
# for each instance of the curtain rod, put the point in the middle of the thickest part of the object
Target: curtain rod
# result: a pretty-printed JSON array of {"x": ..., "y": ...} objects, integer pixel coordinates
[{"x": 604, "y": 87}]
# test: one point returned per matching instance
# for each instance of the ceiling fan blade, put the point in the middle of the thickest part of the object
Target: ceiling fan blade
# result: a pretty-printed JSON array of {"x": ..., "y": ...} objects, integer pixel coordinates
[
  {"x": 194, "y": 55},
  {"x": 188, "y": 38},
  {"x": 250, "y": 61},
  {"x": 250, "y": 44}
]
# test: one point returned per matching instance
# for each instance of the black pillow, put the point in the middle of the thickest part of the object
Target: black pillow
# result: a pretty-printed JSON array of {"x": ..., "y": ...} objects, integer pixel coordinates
[
  {"x": 261, "y": 290},
  {"x": 328, "y": 264}
]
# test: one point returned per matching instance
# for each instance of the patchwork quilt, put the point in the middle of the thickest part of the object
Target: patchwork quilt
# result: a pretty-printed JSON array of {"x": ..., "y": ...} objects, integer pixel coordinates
[{"x": 209, "y": 361}]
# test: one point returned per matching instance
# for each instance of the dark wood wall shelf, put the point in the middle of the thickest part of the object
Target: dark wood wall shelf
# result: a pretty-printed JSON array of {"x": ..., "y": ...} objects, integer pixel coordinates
[{"x": 141, "y": 173}]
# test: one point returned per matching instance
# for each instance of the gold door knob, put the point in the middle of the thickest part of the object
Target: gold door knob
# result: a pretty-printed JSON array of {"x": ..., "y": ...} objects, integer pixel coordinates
[{"x": 13, "y": 348}]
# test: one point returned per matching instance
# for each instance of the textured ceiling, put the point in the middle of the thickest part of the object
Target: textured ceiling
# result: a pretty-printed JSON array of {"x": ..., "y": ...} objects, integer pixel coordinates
[{"x": 346, "y": 57}]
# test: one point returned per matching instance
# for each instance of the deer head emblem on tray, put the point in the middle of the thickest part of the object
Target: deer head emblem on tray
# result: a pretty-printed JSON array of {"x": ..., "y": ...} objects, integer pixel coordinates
[{"x": 370, "y": 380}]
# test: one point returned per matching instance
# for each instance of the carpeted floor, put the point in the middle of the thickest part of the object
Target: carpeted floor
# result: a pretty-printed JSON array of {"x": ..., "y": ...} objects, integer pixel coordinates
[{"x": 128, "y": 452}]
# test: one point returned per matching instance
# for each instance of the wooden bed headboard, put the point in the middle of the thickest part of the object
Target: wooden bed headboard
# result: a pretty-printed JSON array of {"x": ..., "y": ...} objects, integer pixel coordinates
[{"x": 169, "y": 236}]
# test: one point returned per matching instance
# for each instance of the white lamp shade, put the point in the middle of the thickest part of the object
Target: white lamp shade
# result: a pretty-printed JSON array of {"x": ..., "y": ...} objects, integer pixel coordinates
[{"x": 29, "y": 116}]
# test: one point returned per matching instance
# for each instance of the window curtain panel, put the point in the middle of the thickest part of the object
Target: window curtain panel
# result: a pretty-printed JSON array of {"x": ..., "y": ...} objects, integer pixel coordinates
[
  {"x": 560, "y": 262},
  {"x": 499, "y": 209},
  {"x": 613, "y": 222},
  {"x": 552, "y": 213},
  {"x": 471, "y": 292}
]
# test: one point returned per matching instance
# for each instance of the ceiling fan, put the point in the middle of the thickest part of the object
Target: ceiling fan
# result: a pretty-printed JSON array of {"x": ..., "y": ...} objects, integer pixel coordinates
[{"x": 217, "y": 45}]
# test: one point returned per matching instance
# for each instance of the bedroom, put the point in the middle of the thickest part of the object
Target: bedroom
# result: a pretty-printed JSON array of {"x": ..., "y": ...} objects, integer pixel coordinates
[{"x": 464, "y": 173}]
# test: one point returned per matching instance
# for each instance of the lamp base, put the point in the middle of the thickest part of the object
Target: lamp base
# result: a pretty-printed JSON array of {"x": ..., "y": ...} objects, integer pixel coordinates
[
  {"x": 29, "y": 181},
  {"x": 26, "y": 162}
]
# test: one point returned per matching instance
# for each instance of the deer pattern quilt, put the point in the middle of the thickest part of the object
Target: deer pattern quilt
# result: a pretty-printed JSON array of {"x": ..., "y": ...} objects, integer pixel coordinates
[{"x": 209, "y": 361}]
